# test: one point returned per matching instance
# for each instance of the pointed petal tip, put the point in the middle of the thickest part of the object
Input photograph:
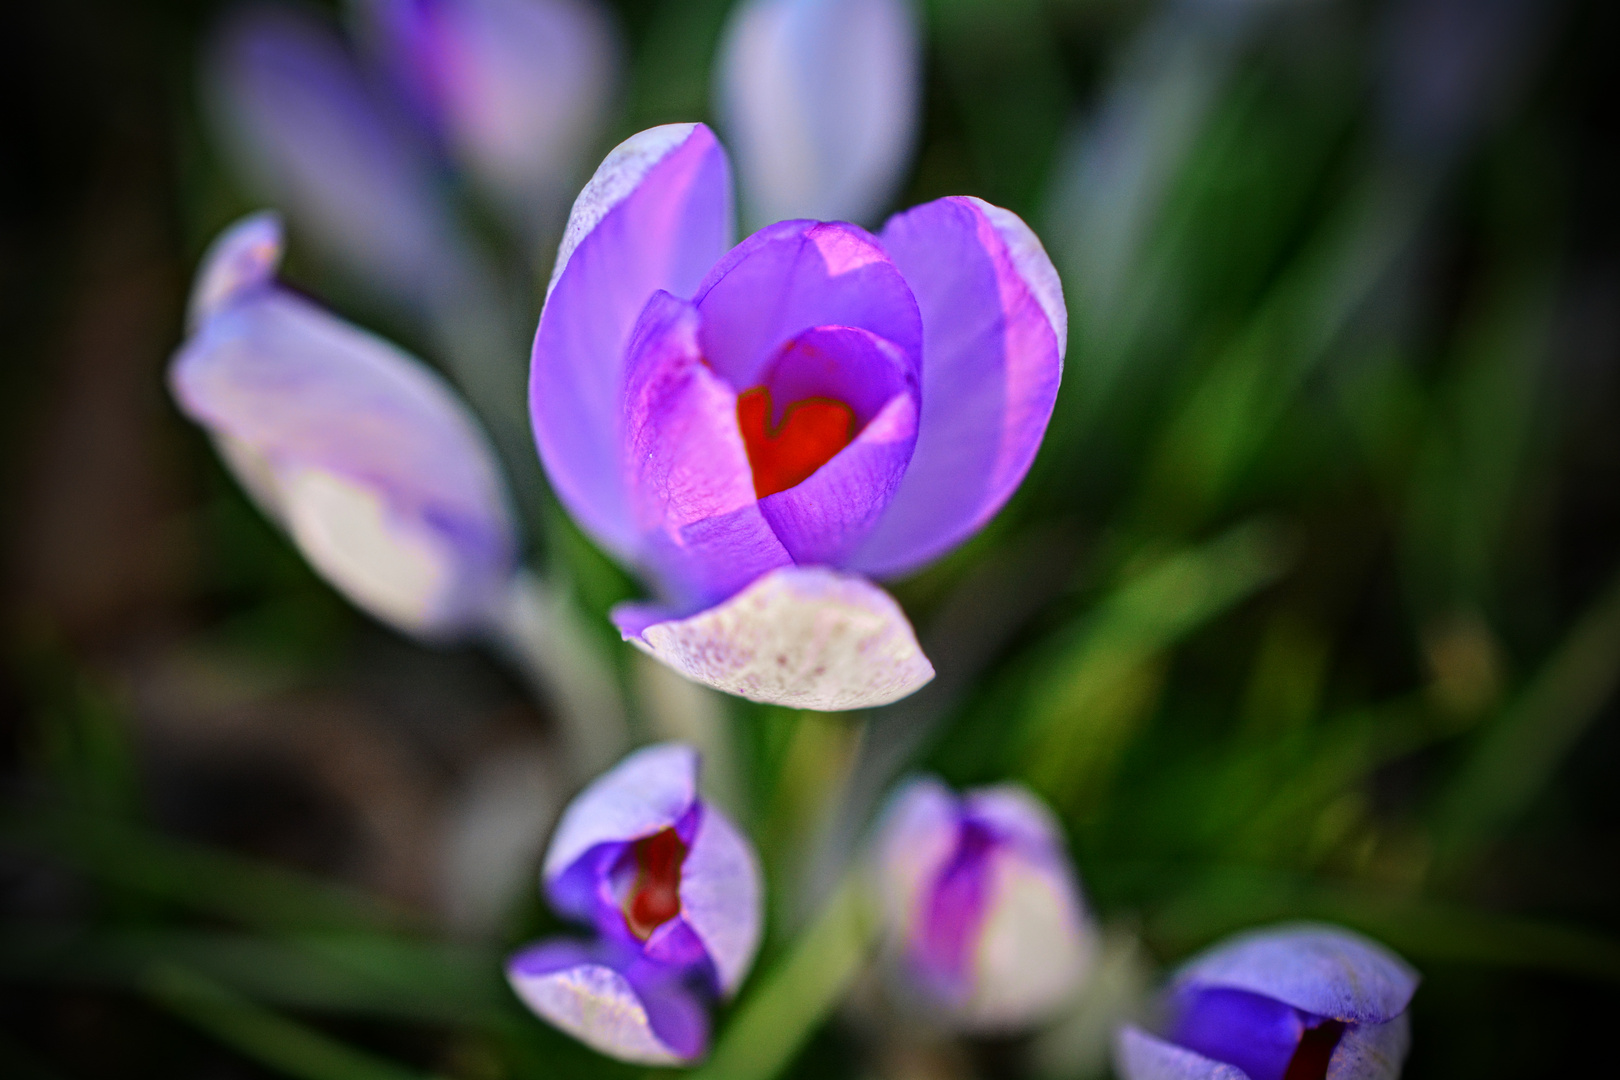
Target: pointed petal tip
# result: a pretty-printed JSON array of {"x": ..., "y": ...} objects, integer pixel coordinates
[
  {"x": 243, "y": 257},
  {"x": 806, "y": 637}
]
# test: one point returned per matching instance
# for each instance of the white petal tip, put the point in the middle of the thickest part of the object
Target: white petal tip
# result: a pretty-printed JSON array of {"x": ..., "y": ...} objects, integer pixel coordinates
[
  {"x": 803, "y": 637},
  {"x": 244, "y": 257},
  {"x": 597, "y": 1006}
]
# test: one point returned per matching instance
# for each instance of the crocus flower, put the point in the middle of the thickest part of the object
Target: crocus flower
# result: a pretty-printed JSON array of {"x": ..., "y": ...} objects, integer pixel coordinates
[
  {"x": 759, "y": 428},
  {"x": 671, "y": 889},
  {"x": 362, "y": 453},
  {"x": 1297, "y": 1002},
  {"x": 820, "y": 99},
  {"x": 516, "y": 89},
  {"x": 986, "y": 924}
]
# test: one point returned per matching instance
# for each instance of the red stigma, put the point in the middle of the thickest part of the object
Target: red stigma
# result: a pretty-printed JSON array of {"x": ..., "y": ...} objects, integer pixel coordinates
[
  {"x": 1315, "y": 1050},
  {"x": 655, "y": 895},
  {"x": 811, "y": 432}
]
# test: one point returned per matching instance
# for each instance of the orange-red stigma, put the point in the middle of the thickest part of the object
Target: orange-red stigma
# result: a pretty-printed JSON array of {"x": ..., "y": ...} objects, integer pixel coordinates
[
  {"x": 655, "y": 895},
  {"x": 811, "y": 432}
]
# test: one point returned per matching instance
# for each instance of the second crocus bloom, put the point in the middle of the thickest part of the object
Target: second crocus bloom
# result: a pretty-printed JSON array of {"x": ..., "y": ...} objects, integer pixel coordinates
[
  {"x": 672, "y": 891},
  {"x": 759, "y": 428},
  {"x": 1299, "y": 1002},
  {"x": 987, "y": 929}
]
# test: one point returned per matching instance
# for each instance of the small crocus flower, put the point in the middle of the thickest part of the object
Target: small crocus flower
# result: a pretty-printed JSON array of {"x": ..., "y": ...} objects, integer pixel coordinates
[
  {"x": 985, "y": 920},
  {"x": 516, "y": 89},
  {"x": 820, "y": 99},
  {"x": 671, "y": 889},
  {"x": 1297, "y": 1002},
  {"x": 760, "y": 428},
  {"x": 364, "y": 455}
]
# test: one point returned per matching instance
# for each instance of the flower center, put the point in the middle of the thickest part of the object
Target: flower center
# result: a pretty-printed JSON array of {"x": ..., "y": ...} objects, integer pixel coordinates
[
  {"x": 811, "y": 432},
  {"x": 1315, "y": 1050},
  {"x": 655, "y": 895}
]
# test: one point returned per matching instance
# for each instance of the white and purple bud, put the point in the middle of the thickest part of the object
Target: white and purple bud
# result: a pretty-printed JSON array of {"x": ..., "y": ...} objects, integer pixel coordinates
[
  {"x": 516, "y": 90},
  {"x": 672, "y": 890},
  {"x": 1296, "y": 1002},
  {"x": 362, "y": 453},
  {"x": 820, "y": 100},
  {"x": 984, "y": 913}
]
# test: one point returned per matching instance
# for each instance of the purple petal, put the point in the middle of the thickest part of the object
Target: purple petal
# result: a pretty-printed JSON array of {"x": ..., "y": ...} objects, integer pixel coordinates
[
  {"x": 361, "y": 451},
  {"x": 803, "y": 636},
  {"x": 647, "y": 792},
  {"x": 1140, "y": 1056},
  {"x": 795, "y": 276},
  {"x": 656, "y": 215},
  {"x": 995, "y": 329},
  {"x": 631, "y": 1011},
  {"x": 1257, "y": 1034},
  {"x": 1371, "y": 1051},
  {"x": 722, "y": 898},
  {"x": 242, "y": 260},
  {"x": 822, "y": 518},
  {"x": 916, "y": 834},
  {"x": 1017, "y": 817},
  {"x": 294, "y": 111},
  {"x": 518, "y": 87},
  {"x": 692, "y": 491},
  {"x": 820, "y": 102},
  {"x": 1324, "y": 970}
]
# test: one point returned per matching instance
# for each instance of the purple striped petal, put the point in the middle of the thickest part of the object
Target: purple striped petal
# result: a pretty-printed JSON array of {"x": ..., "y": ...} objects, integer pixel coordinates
[
  {"x": 309, "y": 134},
  {"x": 820, "y": 101},
  {"x": 518, "y": 88},
  {"x": 795, "y": 276},
  {"x": 692, "y": 491},
  {"x": 822, "y": 518},
  {"x": 916, "y": 834},
  {"x": 802, "y": 636},
  {"x": 996, "y": 329},
  {"x": 630, "y": 1010},
  {"x": 656, "y": 215},
  {"x": 1323, "y": 970},
  {"x": 364, "y": 454},
  {"x": 1140, "y": 1056}
]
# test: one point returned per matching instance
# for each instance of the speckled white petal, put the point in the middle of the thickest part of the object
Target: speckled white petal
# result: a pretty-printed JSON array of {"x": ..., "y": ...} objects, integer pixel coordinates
[
  {"x": 1325, "y": 970},
  {"x": 1035, "y": 945},
  {"x": 1140, "y": 1056},
  {"x": 1371, "y": 1051},
  {"x": 820, "y": 101},
  {"x": 244, "y": 257},
  {"x": 648, "y": 791},
  {"x": 721, "y": 897},
  {"x": 802, "y": 636},
  {"x": 916, "y": 833},
  {"x": 596, "y": 1005}
]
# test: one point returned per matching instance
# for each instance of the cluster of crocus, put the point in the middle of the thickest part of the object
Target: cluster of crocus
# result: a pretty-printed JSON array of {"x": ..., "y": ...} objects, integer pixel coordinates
[
  {"x": 758, "y": 428},
  {"x": 986, "y": 923},
  {"x": 359, "y": 451},
  {"x": 1301, "y": 1002},
  {"x": 671, "y": 889}
]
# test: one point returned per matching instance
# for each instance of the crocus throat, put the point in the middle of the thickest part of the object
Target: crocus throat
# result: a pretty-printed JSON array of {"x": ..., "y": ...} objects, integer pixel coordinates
[
  {"x": 655, "y": 895},
  {"x": 811, "y": 432},
  {"x": 1315, "y": 1050}
]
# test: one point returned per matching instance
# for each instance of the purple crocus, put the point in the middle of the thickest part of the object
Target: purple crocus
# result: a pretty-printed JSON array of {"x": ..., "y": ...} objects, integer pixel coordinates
[
  {"x": 1296, "y": 1002},
  {"x": 986, "y": 924},
  {"x": 759, "y": 427},
  {"x": 360, "y": 451},
  {"x": 671, "y": 889}
]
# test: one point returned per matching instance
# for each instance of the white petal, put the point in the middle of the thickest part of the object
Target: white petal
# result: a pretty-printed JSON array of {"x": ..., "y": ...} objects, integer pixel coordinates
[
  {"x": 820, "y": 102},
  {"x": 597, "y": 1006},
  {"x": 802, "y": 636}
]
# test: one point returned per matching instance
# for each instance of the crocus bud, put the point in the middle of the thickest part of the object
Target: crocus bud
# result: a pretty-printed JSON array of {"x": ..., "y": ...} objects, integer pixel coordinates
[
  {"x": 1297, "y": 1002},
  {"x": 671, "y": 889},
  {"x": 311, "y": 135},
  {"x": 987, "y": 928},
  {"x": 819, "y": 99},
  {"x": 361, "y": 452},
  {"x": 516, "y": 89}
]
